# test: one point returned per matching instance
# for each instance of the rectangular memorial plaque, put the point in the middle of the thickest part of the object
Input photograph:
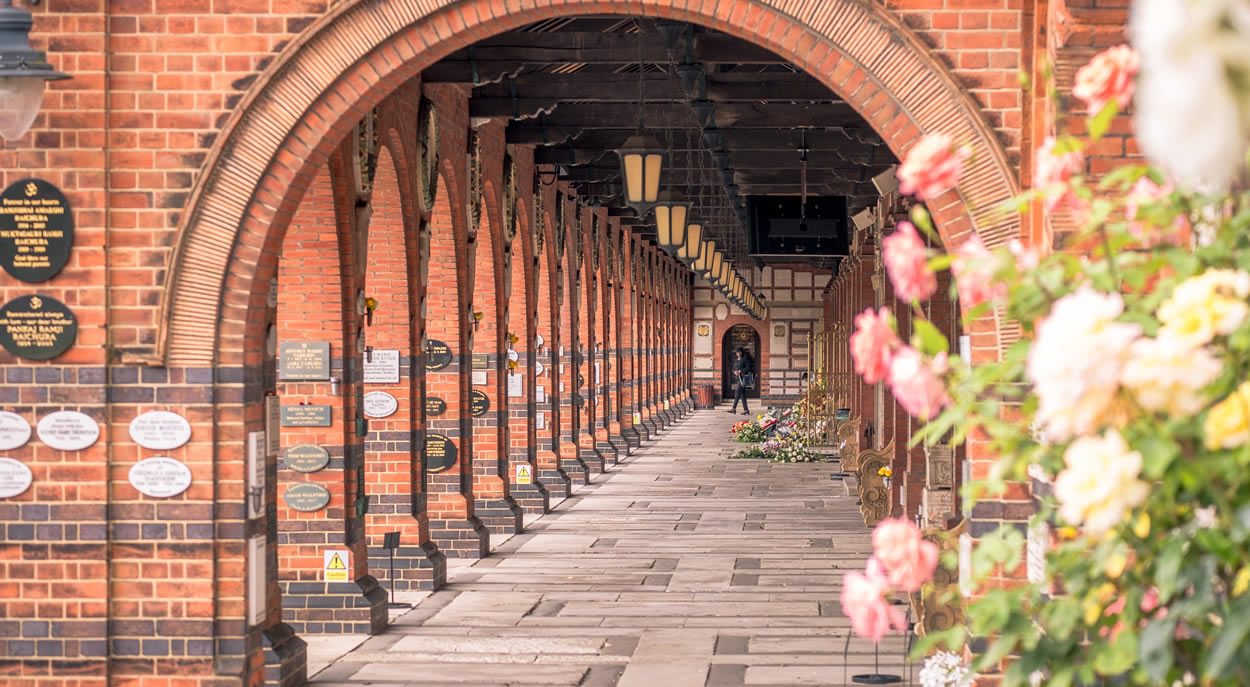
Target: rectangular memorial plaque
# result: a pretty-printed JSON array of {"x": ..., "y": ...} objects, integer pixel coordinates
[
  {"x": 479, "y": 378},
  {"x": 481, "y": 361},
  {"x": 382, "y": 367},
  {"x": 273, "y": 425},
  {"x": 516, "y": 385},
  {"x": 304, "y": 361},
  {"x": 306, "y": 416},
  {"x": 540, "y": 394},
  {"x": 540, "y": 420}
]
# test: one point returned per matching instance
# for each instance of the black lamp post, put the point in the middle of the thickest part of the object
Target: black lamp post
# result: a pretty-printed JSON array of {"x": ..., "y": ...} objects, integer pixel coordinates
[{"x": 22, "y": 73}]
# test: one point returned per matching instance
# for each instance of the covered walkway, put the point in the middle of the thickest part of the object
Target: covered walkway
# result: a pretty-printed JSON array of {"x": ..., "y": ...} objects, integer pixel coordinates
[{"x": 678, "y": 568}]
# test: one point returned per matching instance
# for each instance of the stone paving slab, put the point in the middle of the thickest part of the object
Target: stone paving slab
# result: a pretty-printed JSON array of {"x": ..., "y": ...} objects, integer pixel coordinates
[{"x": 677, "y": 568}]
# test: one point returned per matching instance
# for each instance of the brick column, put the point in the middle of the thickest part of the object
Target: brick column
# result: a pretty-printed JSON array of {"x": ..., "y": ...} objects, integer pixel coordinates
[
  {"x": 552, "y": 475},
  {"x": 584, "y": 352},
  {"x": 393, "y": 476},
  {"x": 493, "y": 504},
  {"x": 454, "y": 526},
  {"x": 317, "y": 288},
  {"x": 569, "y": 301},
  {"x": 629, "y": 341}
]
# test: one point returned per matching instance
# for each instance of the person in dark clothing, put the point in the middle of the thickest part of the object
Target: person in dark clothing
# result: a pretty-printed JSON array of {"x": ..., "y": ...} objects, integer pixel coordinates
[{"x": 744, "y": 378}]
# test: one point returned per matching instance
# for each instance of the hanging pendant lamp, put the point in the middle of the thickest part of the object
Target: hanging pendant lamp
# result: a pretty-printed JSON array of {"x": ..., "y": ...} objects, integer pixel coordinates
[{"x": 671, "y": 216}]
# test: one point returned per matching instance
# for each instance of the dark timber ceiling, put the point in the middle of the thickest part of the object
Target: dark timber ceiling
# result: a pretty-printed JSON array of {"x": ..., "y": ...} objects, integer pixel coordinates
[{"x": 736, "y": 118}]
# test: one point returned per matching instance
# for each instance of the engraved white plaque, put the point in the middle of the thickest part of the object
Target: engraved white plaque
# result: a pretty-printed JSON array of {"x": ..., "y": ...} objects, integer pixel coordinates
[
  {"x": 160, "y": 430},
  {"x": 14, "y": 430},
  {"x": 160, "y": 477},
  {"x": 15, "y": 478},
  {"x": 68, "y": 430}
]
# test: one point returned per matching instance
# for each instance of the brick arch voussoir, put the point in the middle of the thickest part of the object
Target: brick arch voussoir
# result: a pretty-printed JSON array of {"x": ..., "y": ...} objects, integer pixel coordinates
[{"x": 347, "y": 62}]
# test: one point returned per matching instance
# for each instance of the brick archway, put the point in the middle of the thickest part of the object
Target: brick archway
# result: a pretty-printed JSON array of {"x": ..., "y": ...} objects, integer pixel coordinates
[{"x": 309, "y": 99}]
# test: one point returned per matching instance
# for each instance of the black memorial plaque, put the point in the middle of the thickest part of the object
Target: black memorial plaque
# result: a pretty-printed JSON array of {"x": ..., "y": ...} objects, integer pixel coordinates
[
  {"x": 437, "y": 355},
  {"x": 304, "y": 361},
  {"x": 306, "y": 458},
  {"x": 435, "y": 406},
  {"x": 36, "y": 230},
  {"x": 306, "y": 497},
  {"x": 306, "y": 416},
  {"x": 479, "y": 403},
  {"x": 440, "y": 453},
  {"x": 37, "y": 327}
]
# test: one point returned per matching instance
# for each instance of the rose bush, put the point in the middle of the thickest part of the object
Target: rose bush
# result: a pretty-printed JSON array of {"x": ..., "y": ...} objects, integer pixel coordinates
[{"x": 1128, "y": 395}]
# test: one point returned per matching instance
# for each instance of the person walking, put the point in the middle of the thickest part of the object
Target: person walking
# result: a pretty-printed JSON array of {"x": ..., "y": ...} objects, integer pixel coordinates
[{"x": 744, "y": 378}]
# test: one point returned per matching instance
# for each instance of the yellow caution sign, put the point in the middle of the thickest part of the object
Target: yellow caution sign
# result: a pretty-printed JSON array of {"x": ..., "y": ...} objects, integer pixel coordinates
[
  {"x": 337, "y": 563},
  {"x": 524, "y": 474}
]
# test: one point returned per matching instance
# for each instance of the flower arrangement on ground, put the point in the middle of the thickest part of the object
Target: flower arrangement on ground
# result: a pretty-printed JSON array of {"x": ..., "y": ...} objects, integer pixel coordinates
[
  {"x": 1128, "y": 392},
  {"x": 748, "y": 432}
]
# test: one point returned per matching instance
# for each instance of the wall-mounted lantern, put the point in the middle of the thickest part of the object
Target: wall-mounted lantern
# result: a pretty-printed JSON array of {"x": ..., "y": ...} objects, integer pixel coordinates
[{"x": 23, "y": 73}]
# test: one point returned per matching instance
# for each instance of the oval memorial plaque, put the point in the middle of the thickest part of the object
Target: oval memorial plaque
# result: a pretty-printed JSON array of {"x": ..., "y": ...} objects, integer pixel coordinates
[
  {"x": 36, "y": 230},
  {"x": 306, "y": 458},
  {"x": 479, "y": 403},
  {"x": 160, "y": 477},
  {"x": 14, "y": 430},
  {"x": 437, "y": 355},
  {"x": 435, "y": 406},
  {"x": 380, "y": 404},
  {"x": 15, "y": 478},
  {"x": 440, "y": 453},
  {"x": 68, "y": 430},
  {"x": 160, "y": 430},
  {"x": 37, "y": 327},
  {"x": 306, "y": 497}
]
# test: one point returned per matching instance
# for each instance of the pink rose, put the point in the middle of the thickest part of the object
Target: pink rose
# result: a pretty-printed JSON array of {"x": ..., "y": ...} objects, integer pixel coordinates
[
  {"x": 1052, "y": 172},
  {"x": 917, "y": 385},
  {"x": 873, "y": 344},
  {"x": 907, "y": 263},
  {"x": 1107, "y": 77},
  {"x": 1147, "y": 192},
  {"x": 863, "y": 601},
  {"x": 1026, "y": 258},
  {"x": 932, "y": 166},
  {"x": 908, "y": 559},
  {"x": 973, "y": 268}
]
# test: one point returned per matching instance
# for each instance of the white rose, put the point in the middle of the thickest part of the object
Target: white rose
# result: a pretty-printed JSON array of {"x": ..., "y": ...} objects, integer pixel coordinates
[
  {"x": 1076, "y": 361},
  {"x": 1100, "y": 482},
  {"x": 1166, "y": 374},
  {"x": 1188, "y": 50}
]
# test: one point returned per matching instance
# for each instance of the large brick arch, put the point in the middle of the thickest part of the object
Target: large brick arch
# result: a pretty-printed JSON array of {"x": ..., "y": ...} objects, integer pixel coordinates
[{"x": 312, "y": 95}]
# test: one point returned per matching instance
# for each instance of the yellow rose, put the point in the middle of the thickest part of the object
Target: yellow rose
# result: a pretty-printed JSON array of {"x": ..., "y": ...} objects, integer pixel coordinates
[
  {"x": 1116, "y": 565},
  {"x": 1228, "y": 423},
  {"x": 1202, "y": 307}
]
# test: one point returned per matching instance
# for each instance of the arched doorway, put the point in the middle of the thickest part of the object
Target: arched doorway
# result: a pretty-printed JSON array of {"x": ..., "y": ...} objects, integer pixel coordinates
[
  {"x": 348, "y": 61},
  {"x": 745, "y": 337}
]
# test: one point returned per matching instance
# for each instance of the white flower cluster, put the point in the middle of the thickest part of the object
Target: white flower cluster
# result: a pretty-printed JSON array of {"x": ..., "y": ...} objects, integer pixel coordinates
[
  {"x": 945, "y": 669},
  {"x": 1092, "y": 373},
  {"x": 1193, "y": 95}
]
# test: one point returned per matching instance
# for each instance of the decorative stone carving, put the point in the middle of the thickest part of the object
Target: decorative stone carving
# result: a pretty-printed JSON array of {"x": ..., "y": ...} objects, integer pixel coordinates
[
  {"x": 939, "y": 505},
  {"x": 848, "y": 432},
  {"x": 874, "y": 497},
  {"x": 940, "y": 607},
  {"x": 939, "y": 466}
]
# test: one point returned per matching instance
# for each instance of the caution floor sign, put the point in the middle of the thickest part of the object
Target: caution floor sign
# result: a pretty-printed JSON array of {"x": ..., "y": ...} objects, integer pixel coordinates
[
  {"x": 524, "y": 474},
  {"x": 337, "y": 563}
]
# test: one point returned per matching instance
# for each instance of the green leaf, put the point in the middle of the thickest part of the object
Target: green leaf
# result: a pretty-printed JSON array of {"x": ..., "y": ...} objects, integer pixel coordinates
[
  {"x": 938, "y": 263},
  {"x": 1157, "y": 452},
  {"x": 931, "y": 340},
  {"x": 1169, "y": 567},
  {"x": 1229, "y": 637},
  {"x": 1155, "y": 648},
  {"x": 1118, "y": 656}
]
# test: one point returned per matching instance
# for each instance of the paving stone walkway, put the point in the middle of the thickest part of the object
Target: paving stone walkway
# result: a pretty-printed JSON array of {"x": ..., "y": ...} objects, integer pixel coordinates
[{"x": 678, "y": 568}]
